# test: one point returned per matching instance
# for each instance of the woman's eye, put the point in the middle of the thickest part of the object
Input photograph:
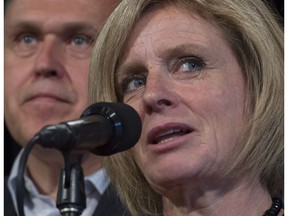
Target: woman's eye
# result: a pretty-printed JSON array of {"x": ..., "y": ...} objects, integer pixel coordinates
[
  {"x": 133, "y": 82},
  {"x": 189, "y": 64}
]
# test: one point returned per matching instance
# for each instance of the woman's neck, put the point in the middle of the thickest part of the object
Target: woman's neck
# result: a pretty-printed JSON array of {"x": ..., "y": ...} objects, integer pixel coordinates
[{"x": 241, "y": 198}]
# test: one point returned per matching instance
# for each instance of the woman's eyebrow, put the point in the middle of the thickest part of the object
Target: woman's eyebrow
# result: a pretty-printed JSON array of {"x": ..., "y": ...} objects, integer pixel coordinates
[{"x": 169, "y": 52}]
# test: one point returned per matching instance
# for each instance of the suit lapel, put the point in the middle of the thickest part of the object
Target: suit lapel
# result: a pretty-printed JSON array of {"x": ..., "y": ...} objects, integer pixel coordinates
[{"x": 110, "y": 205}]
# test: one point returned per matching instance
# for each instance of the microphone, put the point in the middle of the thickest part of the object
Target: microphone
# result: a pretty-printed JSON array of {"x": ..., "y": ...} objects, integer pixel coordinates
[{"x": 103, "y": 128}]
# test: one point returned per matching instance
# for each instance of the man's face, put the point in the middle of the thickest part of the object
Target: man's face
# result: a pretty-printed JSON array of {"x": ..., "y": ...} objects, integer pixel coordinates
[{"x": 47, "y": 52}]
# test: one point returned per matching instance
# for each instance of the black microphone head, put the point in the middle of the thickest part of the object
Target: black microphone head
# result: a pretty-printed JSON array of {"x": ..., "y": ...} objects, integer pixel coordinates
[{"x": 126, "y": 123}]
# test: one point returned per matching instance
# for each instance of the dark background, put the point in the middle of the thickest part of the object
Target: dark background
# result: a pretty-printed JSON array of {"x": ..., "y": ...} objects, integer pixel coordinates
[{"x": 280, "y": 7}]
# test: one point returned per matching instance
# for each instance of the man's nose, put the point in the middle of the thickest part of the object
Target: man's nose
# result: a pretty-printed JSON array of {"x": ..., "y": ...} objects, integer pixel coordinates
[{"x": 50, "y": 58}]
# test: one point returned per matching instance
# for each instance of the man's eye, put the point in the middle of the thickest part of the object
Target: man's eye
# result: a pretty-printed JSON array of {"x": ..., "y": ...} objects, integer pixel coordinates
[
  {"x": 25, "y": 44},
  {"x": 81, "y": 40},
  {"x": 27, "y": 39},
  {"x": 80, "y": 45}
]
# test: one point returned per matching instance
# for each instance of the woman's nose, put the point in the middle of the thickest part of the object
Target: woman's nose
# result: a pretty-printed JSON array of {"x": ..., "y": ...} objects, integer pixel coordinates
[{"x": 159, "y": 93}]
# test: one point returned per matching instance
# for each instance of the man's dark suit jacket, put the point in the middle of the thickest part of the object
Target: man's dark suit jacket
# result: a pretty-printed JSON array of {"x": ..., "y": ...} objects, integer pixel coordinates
[{"x": 109, "y": 204}]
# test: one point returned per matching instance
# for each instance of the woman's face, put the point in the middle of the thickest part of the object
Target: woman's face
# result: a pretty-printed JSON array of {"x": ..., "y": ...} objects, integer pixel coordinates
[{"x": 182, "y": 77}]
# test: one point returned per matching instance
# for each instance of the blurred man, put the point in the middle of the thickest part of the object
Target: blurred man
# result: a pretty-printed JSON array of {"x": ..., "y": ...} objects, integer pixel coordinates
[{"x": 47, "y": 55}]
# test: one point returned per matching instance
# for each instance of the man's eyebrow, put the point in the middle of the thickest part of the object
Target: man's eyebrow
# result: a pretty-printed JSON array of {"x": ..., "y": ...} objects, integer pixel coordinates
[
  {"x": 20, "y": 26},
  {"x": 35, "y": 26},
  {"x": 80, "y": 27}
]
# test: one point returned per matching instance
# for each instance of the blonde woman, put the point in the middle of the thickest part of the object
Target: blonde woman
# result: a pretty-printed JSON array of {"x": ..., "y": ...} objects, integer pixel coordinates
[{"x": 206, "y": 77}]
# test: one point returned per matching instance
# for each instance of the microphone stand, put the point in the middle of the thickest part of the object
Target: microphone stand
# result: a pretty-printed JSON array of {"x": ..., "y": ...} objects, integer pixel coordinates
[{"x": 71, "y": 197}]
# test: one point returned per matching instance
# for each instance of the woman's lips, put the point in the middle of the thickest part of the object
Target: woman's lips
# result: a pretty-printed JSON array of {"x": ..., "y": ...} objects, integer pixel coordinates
[{"x": 167, "y": 132}]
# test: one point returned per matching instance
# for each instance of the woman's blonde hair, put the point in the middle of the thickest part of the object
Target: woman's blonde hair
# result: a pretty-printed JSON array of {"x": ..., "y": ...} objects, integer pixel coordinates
[{"x": 256, "y": 37}]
